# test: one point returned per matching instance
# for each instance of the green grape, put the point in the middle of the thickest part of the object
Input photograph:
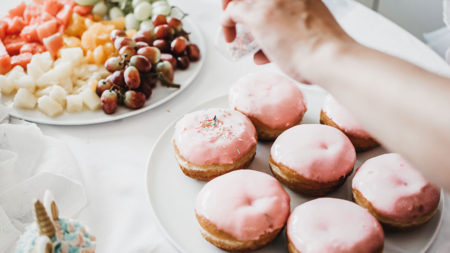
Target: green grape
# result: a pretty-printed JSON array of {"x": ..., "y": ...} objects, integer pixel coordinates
[
  {"x": 143, "y": 11},
  {"x": 86, "y": 2},
  {"x": 100, "y": 9}
]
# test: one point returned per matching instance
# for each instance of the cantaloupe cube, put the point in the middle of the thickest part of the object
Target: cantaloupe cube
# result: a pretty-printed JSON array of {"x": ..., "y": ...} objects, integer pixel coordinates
[
  {"x": 24, "y": 99},
  {"x": 6, "y": 87},
  {"x": 49, "y": 106},
  {"x": 99, "y": 55},
  {"x": 90, "y": 99},
  {"x": 74, "y": 103},
  {"x": 58, "y": 94}
]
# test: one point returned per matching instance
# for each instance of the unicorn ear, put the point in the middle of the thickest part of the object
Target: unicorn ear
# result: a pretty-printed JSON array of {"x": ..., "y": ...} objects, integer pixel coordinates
[
  {"x": 50, "y": 205},
  {"x": 45, "y": 225},
  {"x": 49, "y": 248}
]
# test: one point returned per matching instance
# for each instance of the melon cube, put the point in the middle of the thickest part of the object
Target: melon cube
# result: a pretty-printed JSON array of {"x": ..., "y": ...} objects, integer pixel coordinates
[
  {"x": 74, "y": 55},
  {"x": 24, "y": 99},
  {"x": 49, "y": 106},
  {"x": 90, "y": 99},
  {"x": 74, "y": 103},
  {"x": 53, "y": 76},
  {"x": 6, "y": 86},
  {"x": 59, "y": 94},
  {"x": 25, "y": 82}
]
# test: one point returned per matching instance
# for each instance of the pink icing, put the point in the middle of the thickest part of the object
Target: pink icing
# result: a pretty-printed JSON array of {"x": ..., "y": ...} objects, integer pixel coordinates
[
  {"x": 214, "y": 136},
  {"x": 394, "y": 188},
  {"x": 317, "y": 152},
  {"x": 343, "y": 118},
  {"x": 244, "y": 203},
  {"x": 271, "y": 98},
  {"x": 333, "y": 225}
]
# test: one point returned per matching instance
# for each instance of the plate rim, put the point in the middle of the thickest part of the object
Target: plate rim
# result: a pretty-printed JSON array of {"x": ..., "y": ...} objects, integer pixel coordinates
[
  {"x": 224, "y": 96},
  {"x": 111, "y": 118}
]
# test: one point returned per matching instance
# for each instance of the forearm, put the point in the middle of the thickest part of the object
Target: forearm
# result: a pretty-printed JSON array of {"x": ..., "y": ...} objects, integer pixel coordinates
[{"x": 405, "y": 107}]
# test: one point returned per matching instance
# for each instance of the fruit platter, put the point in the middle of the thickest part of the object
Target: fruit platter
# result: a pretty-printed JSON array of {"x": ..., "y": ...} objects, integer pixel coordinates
[{"x": 77, "y": 62}]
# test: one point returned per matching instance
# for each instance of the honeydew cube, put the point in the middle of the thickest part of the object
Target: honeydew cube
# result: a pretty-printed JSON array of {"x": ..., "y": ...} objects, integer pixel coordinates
[
  {"x": 6, "y": 87},
  {"x": 73, "y": 55},
  {"x": 26, "y": 82},
  {"x": 90, "y": 99},
  {"x": 59, "y": 94},
  {"x": 74, "y": 103},
  {"x": 44, "y": 61},
  {"x": 49, "y": 106},
  {"x": 24, "y": 99}
]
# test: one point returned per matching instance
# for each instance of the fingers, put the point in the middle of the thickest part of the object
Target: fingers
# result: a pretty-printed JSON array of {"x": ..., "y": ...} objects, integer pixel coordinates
[
  {"x": 225, "y": 3},
  {"x": 229, "y": 29},
  {"x": 260, "y": 58},
  {"x": 233, "y": 14}
]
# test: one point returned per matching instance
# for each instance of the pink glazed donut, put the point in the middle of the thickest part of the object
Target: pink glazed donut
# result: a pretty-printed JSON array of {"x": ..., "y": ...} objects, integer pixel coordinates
[
  {"x": 312, "y": 159},
  {"x": 395, "y": 192},
  {"x": 335, "y": 115},
  {"x": 242, "y": 210},
  {"x": 333, "y": 225},
  {"x": 212, "y": 142},
  {"x": 271, "y": 101}
]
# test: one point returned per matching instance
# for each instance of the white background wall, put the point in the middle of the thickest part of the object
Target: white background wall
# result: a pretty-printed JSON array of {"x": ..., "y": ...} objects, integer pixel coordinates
[{"x": 416, "y": 16}]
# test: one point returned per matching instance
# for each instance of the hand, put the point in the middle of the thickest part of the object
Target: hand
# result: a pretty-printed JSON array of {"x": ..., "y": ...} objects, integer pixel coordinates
[{"x": 294, "y": 34}]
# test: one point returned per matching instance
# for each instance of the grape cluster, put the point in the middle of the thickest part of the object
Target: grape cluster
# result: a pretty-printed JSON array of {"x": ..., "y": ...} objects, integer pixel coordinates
[{"x": 150, "y": 55}]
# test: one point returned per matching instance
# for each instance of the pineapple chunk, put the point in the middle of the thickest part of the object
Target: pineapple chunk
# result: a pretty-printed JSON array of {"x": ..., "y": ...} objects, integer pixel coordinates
[
  {"x": 59, "y": 94},
  {"x": 74, "y": 103},
  {"x": 44, "y": 91},
  {"x": 73, "y": 55},
  {"x": 49, "y": 106},
  {"x": 90, "y": 99},
  {"x": 67, "y": 84},
  {"x": 44, "y": 61},
  {"x": 24, "y": 99},
  {"x": 26, "y": 82},
  {"x": 6, "y": 87},
  {"x": 53, "y": 76}
]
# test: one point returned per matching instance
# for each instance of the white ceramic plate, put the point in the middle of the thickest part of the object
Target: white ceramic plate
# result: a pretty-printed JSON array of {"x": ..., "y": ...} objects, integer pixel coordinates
[
  {"x": 172, "y": 195},
  {"x": 159, "y": 96}
]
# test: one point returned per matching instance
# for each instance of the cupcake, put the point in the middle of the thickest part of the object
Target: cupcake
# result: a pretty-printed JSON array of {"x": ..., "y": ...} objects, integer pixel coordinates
[{"x": 271, "y": 101}]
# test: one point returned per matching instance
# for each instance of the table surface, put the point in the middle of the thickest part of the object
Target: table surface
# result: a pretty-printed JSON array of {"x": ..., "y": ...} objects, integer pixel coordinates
[{"x": 112, "y": 156}]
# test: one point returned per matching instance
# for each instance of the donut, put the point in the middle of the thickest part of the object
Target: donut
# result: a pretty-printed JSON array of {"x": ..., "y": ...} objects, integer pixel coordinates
[
  {"x": 333, "y": 225},
  {"x": 271, "y": 101},
  {"x": 209, "y": 143},
  {"x": 335, "y": 115},
  {"x": 242, "y": 210},
  {"x": 395, "y": 192},
  {"x": 312, "y": 159}
]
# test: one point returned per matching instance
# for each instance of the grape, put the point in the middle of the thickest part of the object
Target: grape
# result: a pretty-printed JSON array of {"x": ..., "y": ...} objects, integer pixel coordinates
[
  {"x": 162, "y": 10},
  {"x": 166, "y": 69},
  {"x": 123, "y": 41},
  {"x": 126, "y": 52},
  {"x": 183, "y": 62},
  {"x": 175, "y": 24},
  {"x": 159, "y": 20},
  {"x": 114, "y": 64},
  {"x": 193, "y": 52},
  {"x": 147, "y": 25},
  {"x": 184, "y": 34},
  {"x": 169, "y": 58},
  {"x": 103, "y": 85},
  {"x": 100, "y": 9},
  {"x": 109, "y": 101},
  {"x": 141, "y": 63},
  {"x": 145, "y": 88},
  {"x": 117, "y": 78},
  {"x": 134, "y": 99},
  {"x": 116, "y": 33},
  {"x": 178, "y": 45},
  {"x": 143, "y": 11},
  {"x": 146, "y": 36},
  {"x": 136, "y": 2},
  {"x": 141, "y": 44},
  {"x": 177, "y": 13},
  {"x": 132, "y": 78},
  {"x": 131, "y": 23},
  {"x": 149, "y": 78},
  {"x": 151, "y": 53},
  {"x": 162, "y": 45},
  {"x": 115, "y": 13},
  {"x": 86, "y": 2},
  {"x": 159, "y": 3}
]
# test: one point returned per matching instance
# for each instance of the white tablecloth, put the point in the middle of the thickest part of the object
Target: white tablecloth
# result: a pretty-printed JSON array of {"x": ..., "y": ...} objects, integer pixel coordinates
[{"x": 112, "y": 156}]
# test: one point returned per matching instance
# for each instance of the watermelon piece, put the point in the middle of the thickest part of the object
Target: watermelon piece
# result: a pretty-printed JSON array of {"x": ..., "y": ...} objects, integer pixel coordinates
[
  {"x": 21, "y": 59},
  {"x": 53, "y": 44},
  {"x": 15, "y": 25},
  {"x": 32, "y": 11},
  {"x": 18, "y": 11},
  {"x": 29, "y": 33},
  {"x": 13, "y": 43},
  {"x": 52, "y": 7},
  {"x": 33, "y": 48},
  {"x": 83, "y": 10},
  {"x": 3, "y": 29},
  {"x": 46, "y": 29},
  {"x": 64, "y": 15},
  {"x": 5, "y": 60}
]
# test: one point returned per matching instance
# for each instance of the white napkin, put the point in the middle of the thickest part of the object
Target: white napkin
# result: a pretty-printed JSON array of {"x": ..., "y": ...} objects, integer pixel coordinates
[{"x": 31, "y": 163}]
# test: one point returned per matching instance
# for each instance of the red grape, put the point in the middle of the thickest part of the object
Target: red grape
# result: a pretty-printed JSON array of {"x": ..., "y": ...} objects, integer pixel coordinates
[
  {"x": 150, "y": 79},
  {"x": 163, "y": 45},
  {"x": 114, "y": 64},
  {"x": 132, "y": 78},
  {"x": 126, "y": 52},
  {"x": 151, "y": 53},
  {"x": 123, "y": 41},
  {"x": 141, "y": 63},
  {"x": 175, "y": 24},
  {"x": 162, "y": 31},
  {"x": 145, "y": 88},
  {"x": 141, "y": 44},
  {"x": 146, "y": 36},
  {"x": 109, "y": 101},
  {"x": 193, "y": 52},
  {"x": 103, "y": 85},
  {"x": 183, "y": 62},
  {"x": 166, "y": 70},
  {"x": 159, "y": 20},
  {"x": 184, "y": 34},
  {"x": 116, "y": 33},
  {"x": 134, "y": 99},
  {"x": 117, "y": 78},
  {"x": 169, "y": 58},
  {"x": 179, "y": 44}
]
